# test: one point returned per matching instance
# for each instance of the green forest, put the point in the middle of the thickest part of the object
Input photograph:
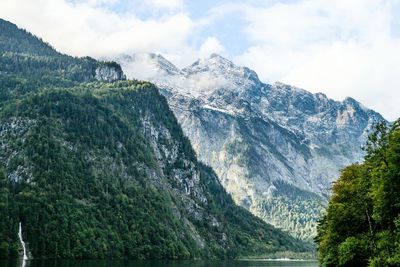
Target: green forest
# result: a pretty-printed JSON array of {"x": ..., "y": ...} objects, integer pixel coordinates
[
  {"x": 361, "y": 226},
  {"x": 102, "y": 170}
]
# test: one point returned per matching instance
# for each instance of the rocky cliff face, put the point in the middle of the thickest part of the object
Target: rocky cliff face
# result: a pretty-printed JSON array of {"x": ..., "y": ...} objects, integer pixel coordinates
[
  {"x": 109, "y": 72},
  {"x": 276, "y": 148}
]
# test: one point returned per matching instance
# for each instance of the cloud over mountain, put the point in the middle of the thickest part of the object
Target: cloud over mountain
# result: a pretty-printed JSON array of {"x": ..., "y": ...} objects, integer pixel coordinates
[{"x": 340, "y": 48}]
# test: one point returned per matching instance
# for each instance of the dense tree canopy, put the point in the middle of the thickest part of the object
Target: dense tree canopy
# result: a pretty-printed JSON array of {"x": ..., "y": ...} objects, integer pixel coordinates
[
  {"x": 103, "y": 170},
  {"x": 361, "y": 226}
]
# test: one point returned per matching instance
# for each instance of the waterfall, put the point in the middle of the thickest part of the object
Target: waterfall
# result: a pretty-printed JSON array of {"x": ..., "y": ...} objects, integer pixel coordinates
[{"x": 22, "y": 241}]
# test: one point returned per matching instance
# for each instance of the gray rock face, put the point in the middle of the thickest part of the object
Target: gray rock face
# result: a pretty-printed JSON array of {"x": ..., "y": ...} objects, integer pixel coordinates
[
  {"x": 109, "y": 72},
  {"x": 276, "y": 148}
]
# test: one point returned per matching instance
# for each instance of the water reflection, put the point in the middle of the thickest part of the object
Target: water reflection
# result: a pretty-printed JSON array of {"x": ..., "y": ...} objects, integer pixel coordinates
[{"x": 104, "y": 263}]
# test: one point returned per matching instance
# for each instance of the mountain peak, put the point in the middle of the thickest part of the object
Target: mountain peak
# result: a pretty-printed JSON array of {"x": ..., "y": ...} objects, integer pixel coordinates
[
  {"x": 215, "y": 55},
  {"x": 214, "y": 63},
  {"x": 290, "y": 88},
  {"x": 163, "y": 63},
  {"x": 219, "y": 59},
  {"x": 350, "y": 100},
  {"x": 351, "y": 103},
  {"x": 217, "y": 66},
  {"x": 156, "y": 61}
]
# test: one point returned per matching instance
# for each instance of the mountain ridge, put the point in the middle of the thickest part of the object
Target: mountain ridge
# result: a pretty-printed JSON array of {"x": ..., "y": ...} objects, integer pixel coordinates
[
  {"x": 96, "y": 166},
  {"x": 257, "y": 135},
  {"x": 218, "y": 65}
]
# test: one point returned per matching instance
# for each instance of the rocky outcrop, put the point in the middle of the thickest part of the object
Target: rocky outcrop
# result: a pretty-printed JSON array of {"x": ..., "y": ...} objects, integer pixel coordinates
[{"x": 109, "y": 72}]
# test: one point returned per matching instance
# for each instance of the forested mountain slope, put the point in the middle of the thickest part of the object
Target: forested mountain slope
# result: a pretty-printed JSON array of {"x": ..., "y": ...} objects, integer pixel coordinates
[{"x": 95, "y": 166}]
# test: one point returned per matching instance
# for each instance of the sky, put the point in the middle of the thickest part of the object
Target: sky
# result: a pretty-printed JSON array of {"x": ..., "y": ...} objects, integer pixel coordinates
[{"x": 341, "y": 48}]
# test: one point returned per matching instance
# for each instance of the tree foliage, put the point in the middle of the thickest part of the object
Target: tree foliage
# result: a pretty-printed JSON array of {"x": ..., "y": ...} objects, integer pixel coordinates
[
  {"x": 103, "y": 170},
  {"x": 361, "y": 225}
]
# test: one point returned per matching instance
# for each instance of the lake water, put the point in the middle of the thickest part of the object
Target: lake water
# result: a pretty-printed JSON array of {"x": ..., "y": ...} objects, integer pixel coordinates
[{"x": 127, "y": 263}]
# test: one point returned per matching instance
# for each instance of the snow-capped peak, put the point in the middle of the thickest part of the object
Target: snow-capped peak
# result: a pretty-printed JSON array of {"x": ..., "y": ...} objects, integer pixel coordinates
[
  {"x": 214, "y": 63},
  {"x": 216, "y": 73},
  {"x": 217, "y": 65},
  {"x": 203, "y": 77}
]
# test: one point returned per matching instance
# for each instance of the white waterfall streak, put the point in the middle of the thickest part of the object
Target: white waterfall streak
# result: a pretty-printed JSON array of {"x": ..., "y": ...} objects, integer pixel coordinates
[{"x": 22, "y": 241}]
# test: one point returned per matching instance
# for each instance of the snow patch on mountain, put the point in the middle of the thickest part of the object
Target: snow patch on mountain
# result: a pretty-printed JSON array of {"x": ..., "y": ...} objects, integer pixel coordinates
[{"x": 276, "y": 148}]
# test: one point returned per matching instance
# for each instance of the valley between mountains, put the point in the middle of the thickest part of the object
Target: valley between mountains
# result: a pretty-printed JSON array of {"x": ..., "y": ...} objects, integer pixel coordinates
[
  {"x": 95, "y": 166},
  {"x": 132, "y": 157}
]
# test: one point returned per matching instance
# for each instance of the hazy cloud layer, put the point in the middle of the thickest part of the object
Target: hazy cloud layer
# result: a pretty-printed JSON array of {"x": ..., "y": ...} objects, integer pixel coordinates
[
  {"x": 342, "y": 48},
  {"x": 92, "y": 27}
]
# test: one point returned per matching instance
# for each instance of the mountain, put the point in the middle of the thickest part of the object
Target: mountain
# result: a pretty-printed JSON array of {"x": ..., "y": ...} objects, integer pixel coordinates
[
  {"x": 275, "y": 148},
  {"x": 96, "y": 166}
]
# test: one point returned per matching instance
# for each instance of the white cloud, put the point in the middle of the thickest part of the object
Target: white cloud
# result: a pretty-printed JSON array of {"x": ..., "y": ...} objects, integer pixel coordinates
[
  {"x": 169, "y": 4},
  {"x": 340, "y": 47},
  {"x": 211, "y": 45},
  {"x": 87, "y": 28},
  {"x": 99, "y": 2},
  {"x": 141, "y": 68}
]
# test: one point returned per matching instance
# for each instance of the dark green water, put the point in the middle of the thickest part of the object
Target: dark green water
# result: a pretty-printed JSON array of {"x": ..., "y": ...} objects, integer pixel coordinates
[{"x": 102, "y": 263}]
